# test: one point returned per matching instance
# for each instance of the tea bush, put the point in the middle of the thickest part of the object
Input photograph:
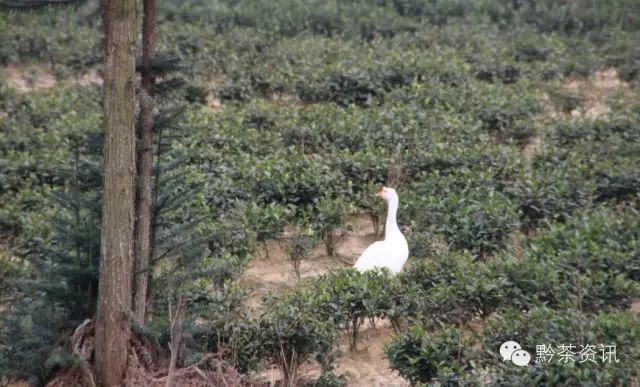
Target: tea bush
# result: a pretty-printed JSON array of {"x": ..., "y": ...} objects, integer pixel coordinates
[
  {"x": 453, "y": 288},
  {"x": 419, "y": 356},
  {"x": 550, "y": 192},
  {"x": 345, "y": 299},
  {"x": 289, "y": 335},
  {"x": 218, "y": 323},
  {"x": 545, "y": 326},
  {"x": 299, "y": 245},
  {"x": 586, "y": 263},
  {"x": 471, "y": 214},
  {"x": 447, "y": 355},
  {"x": 355, "y": 297},
  {"x": 330, "y": 216},
  {"x": 598, "y": 246},
  {"x": 585, "y": 269},
  {"x": 589, "y": 258},
  {"x": 267, "y": 220}
]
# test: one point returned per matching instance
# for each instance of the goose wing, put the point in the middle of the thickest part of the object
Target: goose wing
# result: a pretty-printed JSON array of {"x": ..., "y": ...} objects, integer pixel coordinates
[{"x": 372, "y": 257}]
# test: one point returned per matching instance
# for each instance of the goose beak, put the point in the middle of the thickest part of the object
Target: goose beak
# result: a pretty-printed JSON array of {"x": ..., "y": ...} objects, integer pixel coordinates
[{"x": 379, "y": 194}]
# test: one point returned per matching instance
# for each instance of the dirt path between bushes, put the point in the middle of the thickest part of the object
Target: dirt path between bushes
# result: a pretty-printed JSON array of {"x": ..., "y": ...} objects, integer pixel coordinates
[{"x": 368, "y": 367}]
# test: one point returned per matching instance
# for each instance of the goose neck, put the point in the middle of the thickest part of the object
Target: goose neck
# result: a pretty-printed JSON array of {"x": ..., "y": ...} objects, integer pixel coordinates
[{"x": 391, "y": 226}]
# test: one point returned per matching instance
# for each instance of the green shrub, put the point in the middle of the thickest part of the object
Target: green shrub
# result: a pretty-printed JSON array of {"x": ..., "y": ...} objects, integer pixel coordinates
[
  {"x": 509, "y": 123},
  {"x": 465, "y": 358},
  {"x": 345, "y": 299},
  {"x": 421, "y": 356},
  {"x": 371, "y": 205},
  {"x": 452, "y": 288},
  {"x": 298, "y": 247},
  {"x": 549, "y": 193},
  {"x": 574, "y": 132},
  {"x": 363, "y": 88},
  {"x": 598, "y": 248},
  {"x": 622, "y": 184},
  {"x": 348, "y": 297},
  {"x": 566, "y": 100},
  {"x": 606, "y": 148},
  {"x": 530, "y": 47},
  {"x": 327, "y": 379},
  {"x": 543, "y": 326},
  {"x": 267, "y": 221},
  {"x": 470, "y": 215},
  {"x": 331, "y": 213},
  {"x": 290, "y": 333},
  {"x": 229, "y": 237},
  {"x": 589, "y": 261},
  {"x": 30, "y": 336},
  {"x": 299, "y": 181},
  {"x": 217, "y": 322}
]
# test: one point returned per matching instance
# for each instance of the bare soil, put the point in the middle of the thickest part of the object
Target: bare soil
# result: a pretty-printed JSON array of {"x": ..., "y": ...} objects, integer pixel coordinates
[
  {"x": 595, "y": 92},
  {"x": 532, "y": 148},
  {"x": 213, "y": 102},
  {"x": 270, "y": 270},
  {"x": 35, "y": 77},
  {"x": 29, "y": 78},
  {"x": 635, "y": 306},
  {"x": 14, "y": 384}
]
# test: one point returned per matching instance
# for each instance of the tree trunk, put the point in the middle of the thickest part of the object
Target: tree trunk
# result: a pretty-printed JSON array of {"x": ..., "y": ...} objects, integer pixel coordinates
[
  {"x": 145, "y": 165},
  {"x": 113, "y": 324},
  {"x": 175, "y": 319}
]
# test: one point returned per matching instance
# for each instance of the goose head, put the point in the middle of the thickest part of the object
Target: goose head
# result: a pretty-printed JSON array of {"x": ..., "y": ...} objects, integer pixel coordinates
[{"x": 388, "y": 194}]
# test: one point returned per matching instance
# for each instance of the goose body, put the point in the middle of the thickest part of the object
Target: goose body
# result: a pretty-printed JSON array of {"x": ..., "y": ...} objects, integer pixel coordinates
[{"x": 392, "y": 252}]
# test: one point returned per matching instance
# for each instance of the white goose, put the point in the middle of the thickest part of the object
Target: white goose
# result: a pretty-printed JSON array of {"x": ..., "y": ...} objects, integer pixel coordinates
[{"x": 393, "y": 251}]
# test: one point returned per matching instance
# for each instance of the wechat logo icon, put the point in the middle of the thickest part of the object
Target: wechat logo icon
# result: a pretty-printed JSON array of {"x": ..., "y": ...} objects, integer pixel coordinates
[{"x": 510, "y": 350}]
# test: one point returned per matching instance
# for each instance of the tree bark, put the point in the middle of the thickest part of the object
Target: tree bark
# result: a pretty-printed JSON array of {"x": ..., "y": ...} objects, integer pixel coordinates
[
  {"x": 145, "y": 165},
  {"x": 113, "y": 324}
]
